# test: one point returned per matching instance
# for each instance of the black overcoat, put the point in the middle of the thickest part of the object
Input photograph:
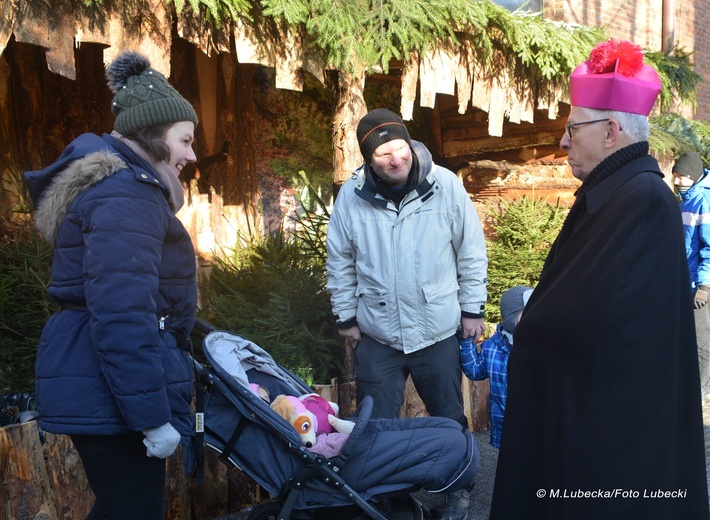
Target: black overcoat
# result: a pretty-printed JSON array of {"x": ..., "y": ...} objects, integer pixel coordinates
[{"x": 604, "y": 412}]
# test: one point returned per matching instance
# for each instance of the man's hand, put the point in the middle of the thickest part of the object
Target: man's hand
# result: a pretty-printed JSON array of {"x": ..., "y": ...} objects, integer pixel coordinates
[
  {"x": 474, "y": 327},
  {"x": 352, "y": 335},
  {"x": 701, "y": 296}
]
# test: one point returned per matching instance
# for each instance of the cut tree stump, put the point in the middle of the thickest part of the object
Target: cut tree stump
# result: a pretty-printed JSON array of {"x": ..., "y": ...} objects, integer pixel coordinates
[{"x": 26, "y": 492}]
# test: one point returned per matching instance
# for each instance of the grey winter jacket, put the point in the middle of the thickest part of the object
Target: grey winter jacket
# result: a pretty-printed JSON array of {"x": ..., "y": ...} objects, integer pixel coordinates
[{"x": 406, "y": 274}]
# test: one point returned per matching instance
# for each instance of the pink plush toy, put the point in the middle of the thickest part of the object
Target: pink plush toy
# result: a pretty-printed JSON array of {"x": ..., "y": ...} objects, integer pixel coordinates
[
  {"x": 293, "y": 410},
  {"x": 326, "y": 413},
  {"x": 311, "y": 415}
]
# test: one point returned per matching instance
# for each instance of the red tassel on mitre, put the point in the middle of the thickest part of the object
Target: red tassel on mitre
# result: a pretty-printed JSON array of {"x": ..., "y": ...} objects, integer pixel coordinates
[{"x": 621, "y": 56}]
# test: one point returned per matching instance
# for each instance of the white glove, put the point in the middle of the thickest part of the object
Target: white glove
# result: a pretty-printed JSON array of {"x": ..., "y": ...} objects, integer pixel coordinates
[{"x": 161, "y": 442}]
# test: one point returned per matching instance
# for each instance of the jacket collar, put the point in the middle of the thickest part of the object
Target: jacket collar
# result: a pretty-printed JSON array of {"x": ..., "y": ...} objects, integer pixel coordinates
[{"x": 598, "y": 195}]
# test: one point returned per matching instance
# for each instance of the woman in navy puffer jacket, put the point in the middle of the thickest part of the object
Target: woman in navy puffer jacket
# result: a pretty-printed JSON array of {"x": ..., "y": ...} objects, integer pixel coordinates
[{"x": 110, "y": 371}]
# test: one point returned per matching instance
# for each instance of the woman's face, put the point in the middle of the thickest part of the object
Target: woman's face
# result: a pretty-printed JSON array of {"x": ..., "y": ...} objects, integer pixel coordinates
[{"x": 178, "y": 139}]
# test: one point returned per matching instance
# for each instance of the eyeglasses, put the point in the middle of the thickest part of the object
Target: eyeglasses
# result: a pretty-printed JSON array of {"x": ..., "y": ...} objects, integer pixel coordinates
[{"x": 570, "y": 126}]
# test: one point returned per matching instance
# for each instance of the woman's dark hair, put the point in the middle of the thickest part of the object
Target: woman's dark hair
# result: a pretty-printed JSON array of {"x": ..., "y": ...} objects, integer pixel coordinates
[{"x": 152, "y": 140}]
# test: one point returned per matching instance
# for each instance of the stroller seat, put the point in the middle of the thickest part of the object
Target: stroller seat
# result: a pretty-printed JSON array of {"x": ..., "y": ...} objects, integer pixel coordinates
[{"x": 381, "y": 463}]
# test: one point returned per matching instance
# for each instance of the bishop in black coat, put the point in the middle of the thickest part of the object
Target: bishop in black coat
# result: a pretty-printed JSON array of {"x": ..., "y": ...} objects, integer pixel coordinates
[{"x": 604, "y": 417}]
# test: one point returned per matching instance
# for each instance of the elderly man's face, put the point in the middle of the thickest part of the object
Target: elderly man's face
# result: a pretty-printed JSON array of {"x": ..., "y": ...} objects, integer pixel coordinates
[{"x": 587, "y": 147}]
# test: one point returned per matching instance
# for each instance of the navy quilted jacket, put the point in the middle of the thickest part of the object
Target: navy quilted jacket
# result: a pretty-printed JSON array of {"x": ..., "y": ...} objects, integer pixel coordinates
[{"x": 123, "y": 263}]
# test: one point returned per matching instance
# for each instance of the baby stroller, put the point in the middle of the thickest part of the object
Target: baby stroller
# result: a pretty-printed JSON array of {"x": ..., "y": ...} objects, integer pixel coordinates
[{"x": 382, "y": 462}]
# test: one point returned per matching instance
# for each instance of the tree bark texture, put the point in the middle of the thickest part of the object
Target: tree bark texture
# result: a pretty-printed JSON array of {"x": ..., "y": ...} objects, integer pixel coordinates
[{"x": 349, "y": 109}]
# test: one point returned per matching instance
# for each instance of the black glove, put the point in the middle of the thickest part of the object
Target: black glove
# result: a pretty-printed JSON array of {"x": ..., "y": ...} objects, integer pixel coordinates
[{"x": 701, "y": 296}]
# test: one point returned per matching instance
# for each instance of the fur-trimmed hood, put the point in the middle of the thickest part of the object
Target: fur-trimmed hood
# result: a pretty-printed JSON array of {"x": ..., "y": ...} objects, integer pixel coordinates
[{"x": 67, "y": 184}]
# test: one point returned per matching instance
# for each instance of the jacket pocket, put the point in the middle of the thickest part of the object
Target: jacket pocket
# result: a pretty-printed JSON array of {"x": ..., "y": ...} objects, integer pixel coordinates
[
  {"x": 374, "y": 313},
  {"x": 441, "y": 308}
]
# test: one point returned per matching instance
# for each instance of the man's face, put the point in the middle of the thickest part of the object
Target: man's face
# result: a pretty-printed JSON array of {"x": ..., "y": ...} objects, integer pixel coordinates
[
  {"x": 682, "y": 181},
  {"x": 392, "y": 162},
  {"x": 587, "y": 148}
]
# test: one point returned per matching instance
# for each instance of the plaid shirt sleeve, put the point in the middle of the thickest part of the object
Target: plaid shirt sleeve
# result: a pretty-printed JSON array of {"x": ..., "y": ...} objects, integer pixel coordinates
[{"x": 473, "y": 363}]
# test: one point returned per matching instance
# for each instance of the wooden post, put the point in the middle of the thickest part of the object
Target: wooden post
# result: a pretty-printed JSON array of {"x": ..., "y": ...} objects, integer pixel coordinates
[
  {"x": 72, "y": 494},
  {"x": 25, "y": 492},
  {"x": 349, "y": 108}
]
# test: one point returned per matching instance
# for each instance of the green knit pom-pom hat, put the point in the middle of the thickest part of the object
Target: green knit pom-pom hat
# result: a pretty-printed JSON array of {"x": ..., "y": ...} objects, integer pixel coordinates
[{"x": 143, "y": 97}]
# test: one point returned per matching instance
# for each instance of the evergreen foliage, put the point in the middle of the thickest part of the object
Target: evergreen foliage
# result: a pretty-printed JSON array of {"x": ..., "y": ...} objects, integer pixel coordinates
[
  {"x": 673, "y": 135},
  {"x": 537, "y": 53},
  {"x": 216, "y": 10},
  {"x": 25, "y": 266},
  {"x": 272, "y": 291},
  {"x": 678, "y": 78},
  {"x": 300, "y": 134},
  {"x": 524, "y": 230}
]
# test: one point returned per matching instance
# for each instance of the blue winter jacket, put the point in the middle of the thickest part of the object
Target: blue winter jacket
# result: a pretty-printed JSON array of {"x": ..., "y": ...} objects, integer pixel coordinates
[
  {"x": 695, "y": 207},
  {"x": 124, "y": 272}
]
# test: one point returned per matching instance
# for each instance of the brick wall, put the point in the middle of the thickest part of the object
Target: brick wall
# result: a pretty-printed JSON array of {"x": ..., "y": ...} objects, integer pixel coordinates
[
  {"x": 641, "y": 21},
  {"x": 691, "y": 32}
]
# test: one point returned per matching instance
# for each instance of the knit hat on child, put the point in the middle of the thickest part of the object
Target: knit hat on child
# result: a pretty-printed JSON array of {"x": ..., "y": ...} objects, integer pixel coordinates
[{"x": 512, "y": 303}]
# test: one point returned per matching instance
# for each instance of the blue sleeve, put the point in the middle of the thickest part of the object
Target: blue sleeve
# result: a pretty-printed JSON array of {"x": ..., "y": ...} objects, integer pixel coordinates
[
  {"x": 473, "y": 363},
  {"x": 703, "y": 227}
]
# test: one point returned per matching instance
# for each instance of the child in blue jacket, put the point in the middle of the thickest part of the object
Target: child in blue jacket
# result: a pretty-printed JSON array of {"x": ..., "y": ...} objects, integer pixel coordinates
[
  {"x": 491, "y": 362},
  {"x": 692, "y": 183}
]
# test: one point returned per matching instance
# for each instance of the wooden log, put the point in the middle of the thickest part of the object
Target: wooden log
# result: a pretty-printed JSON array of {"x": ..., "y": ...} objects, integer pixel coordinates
[
  {"x": 25, "y": 491},
  {"x": 177, "y": 495},
  {"x": 413, "y": 405},
  {"x": 349, "y": 108},
  {"x": 211, "y": 498},
  {"x": 243, "y": 491},
  {"x": 347, "y": 396},
  {"x": 475, "y": 401},
  {"x": 72, "y": 495},
  {"x": 475, "y": 394}
]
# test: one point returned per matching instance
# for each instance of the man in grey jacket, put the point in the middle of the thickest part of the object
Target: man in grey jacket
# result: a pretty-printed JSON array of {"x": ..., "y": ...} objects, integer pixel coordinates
[{"x": 406, "y": 267}]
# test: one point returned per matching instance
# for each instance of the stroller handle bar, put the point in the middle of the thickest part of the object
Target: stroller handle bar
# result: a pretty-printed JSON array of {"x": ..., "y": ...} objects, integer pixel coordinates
[{"x": 204, "y": 326}]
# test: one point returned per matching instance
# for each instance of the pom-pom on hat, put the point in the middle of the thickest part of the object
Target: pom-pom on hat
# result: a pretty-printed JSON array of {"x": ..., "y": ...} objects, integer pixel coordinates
[
  {"x": 143, "y": 97},
  {"x": 615, "y": 78},
  {"x": 689, "y": 165},
  {"x": 377, "y": 128}
]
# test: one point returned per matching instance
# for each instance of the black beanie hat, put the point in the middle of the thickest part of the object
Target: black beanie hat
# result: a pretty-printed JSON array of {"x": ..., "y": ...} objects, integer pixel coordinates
[
  {"x": 143, "y": 97},
  {"x": 379, "y": 127},
  {"x": 512, "y": 303},
  {"x": 689, "y": 165}
]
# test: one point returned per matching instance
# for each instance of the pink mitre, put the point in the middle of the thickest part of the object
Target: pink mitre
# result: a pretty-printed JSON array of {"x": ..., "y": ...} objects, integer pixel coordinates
[{"x": 615, "y": 78}]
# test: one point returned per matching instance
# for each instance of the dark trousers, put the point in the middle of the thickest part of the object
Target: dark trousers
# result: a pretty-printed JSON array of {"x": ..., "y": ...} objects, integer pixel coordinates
[
  {"x": 381, "y": 373},
  {"x": 702, "y": 331},
  {"x": 126, "y": 482}
]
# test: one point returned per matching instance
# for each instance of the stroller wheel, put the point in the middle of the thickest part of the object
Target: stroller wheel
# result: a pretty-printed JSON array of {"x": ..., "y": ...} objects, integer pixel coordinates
[{"x": 265, "y": 511}]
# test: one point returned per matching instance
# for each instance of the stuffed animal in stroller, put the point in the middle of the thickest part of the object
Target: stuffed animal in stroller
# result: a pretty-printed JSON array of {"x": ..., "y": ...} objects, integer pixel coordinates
[{"x": 311, "y": 415}]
